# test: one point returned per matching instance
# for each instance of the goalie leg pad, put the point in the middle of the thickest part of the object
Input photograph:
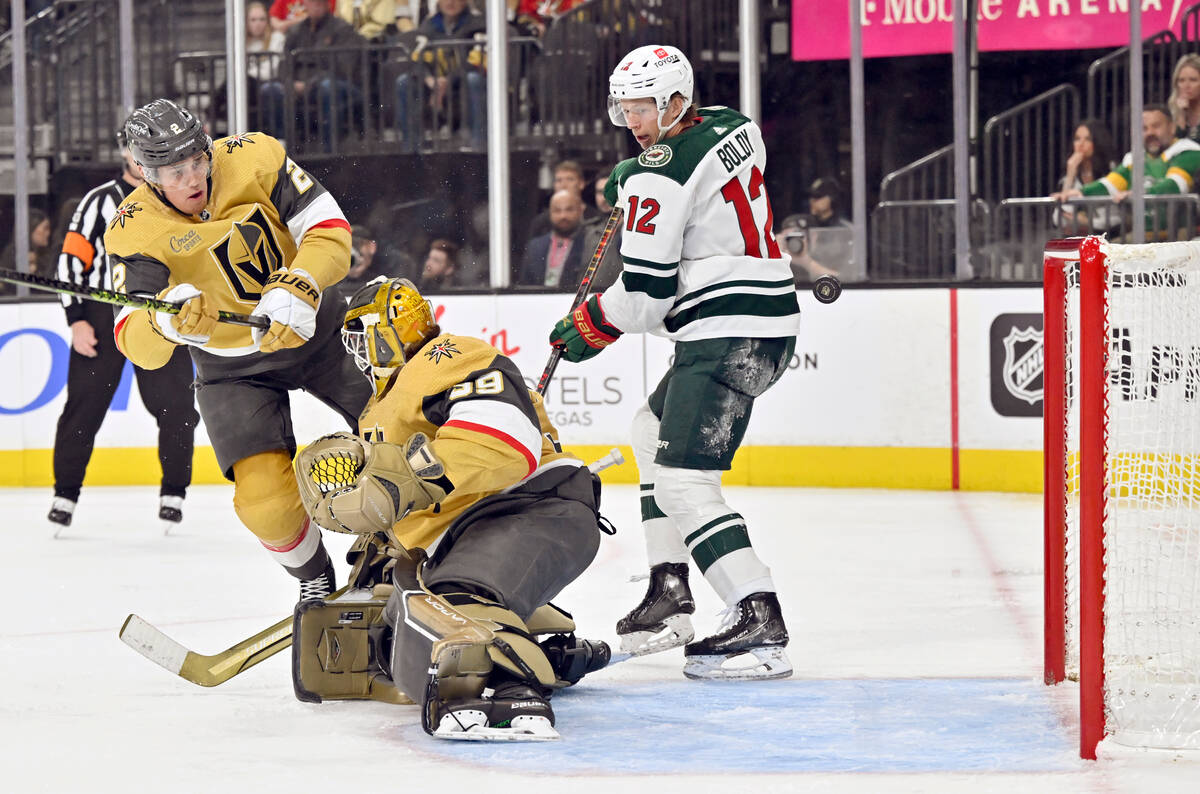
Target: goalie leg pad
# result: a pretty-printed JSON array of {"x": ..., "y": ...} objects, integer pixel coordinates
[
  {"x": 446, "y": 649},
  {"x": 339, "y": 649}
]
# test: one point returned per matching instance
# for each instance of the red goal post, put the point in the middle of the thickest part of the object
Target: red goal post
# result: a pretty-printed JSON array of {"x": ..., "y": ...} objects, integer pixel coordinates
[{"x": 1122, "y": 487}]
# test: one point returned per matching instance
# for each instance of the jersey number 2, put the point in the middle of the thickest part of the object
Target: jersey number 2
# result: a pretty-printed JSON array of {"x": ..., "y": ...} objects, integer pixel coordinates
[{"x": 733, "y": 194}]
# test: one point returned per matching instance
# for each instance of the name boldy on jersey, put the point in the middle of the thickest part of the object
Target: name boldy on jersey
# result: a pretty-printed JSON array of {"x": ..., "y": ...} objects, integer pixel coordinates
[
  {"x": 260, "y": 208},
  {"x": 699, "y": 257}
]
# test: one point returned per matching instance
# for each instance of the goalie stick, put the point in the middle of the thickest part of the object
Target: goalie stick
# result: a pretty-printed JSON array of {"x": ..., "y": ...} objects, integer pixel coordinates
[
  {"x": 212, "y": 670},
  {"x": 121, "y": 299},
  {"x": 585, "y": 286}
]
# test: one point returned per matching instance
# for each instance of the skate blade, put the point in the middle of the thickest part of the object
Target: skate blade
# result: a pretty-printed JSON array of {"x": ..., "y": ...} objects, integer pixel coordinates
[
  {"x": 765, "y": 664},
  {"x": 677, "y": 630},
  {"x": 523, "y": 729}
]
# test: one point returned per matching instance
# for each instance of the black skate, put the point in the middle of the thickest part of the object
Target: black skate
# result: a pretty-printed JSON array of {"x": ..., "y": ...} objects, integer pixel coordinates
[
  {"x": 515, "y": 712},
  {"x": 661, "y": 621},
  {"x": 321, "y": 586},
  {"x": 170, "y": 511},
  {"x": 755, "y": 633},
  {"x": 61, "y": 512},
  {"x": 573, "y": 658}
]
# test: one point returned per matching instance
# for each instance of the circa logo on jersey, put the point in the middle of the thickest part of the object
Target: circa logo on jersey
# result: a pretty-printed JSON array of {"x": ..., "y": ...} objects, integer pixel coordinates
[
  {"x": 656, "y": 156},
  {"x": 124, "y": 213},
  {"x": 248, "y": 255},
  {"x": 1017, "y": 364},
  {"x": 238, "y": 140},
  {"x": 439, "y": 350}
]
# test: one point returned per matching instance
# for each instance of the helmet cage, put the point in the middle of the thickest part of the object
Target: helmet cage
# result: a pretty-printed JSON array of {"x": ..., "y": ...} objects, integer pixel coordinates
[{"x": 386, "y": 322}]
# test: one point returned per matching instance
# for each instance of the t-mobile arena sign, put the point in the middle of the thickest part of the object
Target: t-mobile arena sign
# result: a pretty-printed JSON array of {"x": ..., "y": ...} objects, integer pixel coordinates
[{"x": 821, "y": 30}]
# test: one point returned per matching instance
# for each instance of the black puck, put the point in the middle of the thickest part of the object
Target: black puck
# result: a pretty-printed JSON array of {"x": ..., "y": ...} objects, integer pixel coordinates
[{"x": 827, "y": 289}]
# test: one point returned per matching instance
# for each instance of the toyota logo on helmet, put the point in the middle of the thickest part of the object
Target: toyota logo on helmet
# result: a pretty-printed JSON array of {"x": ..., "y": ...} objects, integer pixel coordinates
[{"x": 655, "y": 71}]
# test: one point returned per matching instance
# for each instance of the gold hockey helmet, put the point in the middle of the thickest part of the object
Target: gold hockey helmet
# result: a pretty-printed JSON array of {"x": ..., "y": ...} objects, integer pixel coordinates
[{"x": 387, "y": 321}]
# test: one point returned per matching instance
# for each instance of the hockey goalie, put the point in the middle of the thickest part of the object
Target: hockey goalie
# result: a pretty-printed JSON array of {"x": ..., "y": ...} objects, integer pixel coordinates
[{"x": 470, "y": 519}]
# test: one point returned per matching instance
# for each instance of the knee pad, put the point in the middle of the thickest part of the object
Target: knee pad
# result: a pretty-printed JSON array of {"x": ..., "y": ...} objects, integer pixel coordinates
[
  {"x": 645, "y": 441},
  {"x": 266, "y": 498},
  {"x": 689, "y": 495}
]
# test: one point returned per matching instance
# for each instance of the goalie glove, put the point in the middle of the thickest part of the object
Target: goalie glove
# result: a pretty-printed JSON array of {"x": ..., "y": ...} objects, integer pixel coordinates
[
  {"x": 289, "y": 300},
  {"x": 584, "y": 332},
  {"x": 196, "y": 320},
  {"x": 350, "y": 485}
]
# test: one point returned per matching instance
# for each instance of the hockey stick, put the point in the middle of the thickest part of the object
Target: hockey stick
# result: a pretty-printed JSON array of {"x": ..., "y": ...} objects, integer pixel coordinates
[
  {"x": 199, "y": 668},
  {"x": 585, "y": 286},
  {"x": 217, "y": 668},
  {"x": 120, "y": 299}
]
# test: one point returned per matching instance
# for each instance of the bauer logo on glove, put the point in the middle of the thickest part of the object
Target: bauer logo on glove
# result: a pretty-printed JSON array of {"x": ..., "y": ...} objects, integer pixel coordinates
[
  {"x": 584, "y": 332},
  {"x": 289, "y": 300}
]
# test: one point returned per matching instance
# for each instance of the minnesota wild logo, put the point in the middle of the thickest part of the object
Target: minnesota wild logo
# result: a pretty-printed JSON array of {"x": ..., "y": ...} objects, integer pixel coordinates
[
  {"x": 439, "y": 350},
  {"x": 124, "y": 213},
  {"x": 237, "y": 140},
  {"x": 656, "y": 156}
]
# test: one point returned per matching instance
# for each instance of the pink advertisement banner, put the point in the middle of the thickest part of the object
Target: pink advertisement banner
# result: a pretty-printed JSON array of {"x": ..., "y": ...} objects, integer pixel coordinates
[{"x": 821, "y": 28}]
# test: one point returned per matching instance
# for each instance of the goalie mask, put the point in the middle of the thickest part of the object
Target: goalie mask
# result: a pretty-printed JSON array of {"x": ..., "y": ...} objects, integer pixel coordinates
[
  {"x": 656, "y": 72},
  {"x": 386, "y": 322}
]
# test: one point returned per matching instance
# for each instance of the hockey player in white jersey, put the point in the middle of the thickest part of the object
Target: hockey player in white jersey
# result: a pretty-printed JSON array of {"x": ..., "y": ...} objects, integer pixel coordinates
[{"x": 699, "y": 266}]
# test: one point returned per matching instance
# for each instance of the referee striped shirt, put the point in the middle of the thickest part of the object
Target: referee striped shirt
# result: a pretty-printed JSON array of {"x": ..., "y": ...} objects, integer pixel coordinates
[{"x": 83, "y": 260}]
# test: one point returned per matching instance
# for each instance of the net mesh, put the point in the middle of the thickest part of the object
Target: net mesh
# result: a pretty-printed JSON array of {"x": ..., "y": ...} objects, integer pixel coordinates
[{"x": 1152, "y": 510}]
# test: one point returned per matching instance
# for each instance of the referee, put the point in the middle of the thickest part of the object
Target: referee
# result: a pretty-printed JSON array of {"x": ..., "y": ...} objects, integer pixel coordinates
[{"x": 96, "y": 364}]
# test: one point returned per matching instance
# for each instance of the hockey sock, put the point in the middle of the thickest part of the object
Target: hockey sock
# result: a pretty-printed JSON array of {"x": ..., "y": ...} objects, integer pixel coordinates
[{"x": 305, "y": 557}]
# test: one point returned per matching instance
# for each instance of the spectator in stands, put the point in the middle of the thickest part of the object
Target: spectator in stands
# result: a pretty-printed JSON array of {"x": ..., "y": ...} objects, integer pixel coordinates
[
  {"x": 568, "y": 175},
  {"x": 1185, "y": 97},
  {"x": 371, "y": 257},
  {"x": 260, "y": 38},
  {"x": 825, "y": 204},
  {"x": 372, "y": 19},
  {"x": 1092, "y": 156},
  {"x": 532, "y": 16},
  {"x": 557, "y": 259},
  {"x": 324, "y": 83},
  {"x": 285, "y": 14},
  {"x": 441, "y": 262},
  {"x": 1171, "y": 166},
  {"x": 444, "y": 73},
  {"x": 793, "y": 238},
  {"x": 41, "y": 259}
]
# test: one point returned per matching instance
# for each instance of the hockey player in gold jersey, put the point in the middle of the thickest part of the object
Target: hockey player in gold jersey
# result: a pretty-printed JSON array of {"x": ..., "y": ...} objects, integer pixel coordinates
[
  {"x": 237, "y": 226},
  {"x": 458, "y": 472}
]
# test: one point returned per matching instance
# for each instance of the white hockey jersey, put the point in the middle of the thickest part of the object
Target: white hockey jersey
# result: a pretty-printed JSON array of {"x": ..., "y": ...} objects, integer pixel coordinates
[{"x": 699, "y": 257}]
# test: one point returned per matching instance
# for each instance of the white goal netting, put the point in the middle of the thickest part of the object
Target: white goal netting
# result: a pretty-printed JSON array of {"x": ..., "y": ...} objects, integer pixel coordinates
[{"x": 1151, "y": 531}]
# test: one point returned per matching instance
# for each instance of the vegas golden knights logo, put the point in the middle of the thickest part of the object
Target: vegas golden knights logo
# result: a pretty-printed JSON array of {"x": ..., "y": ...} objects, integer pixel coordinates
[{"x": 248, "y": 255}]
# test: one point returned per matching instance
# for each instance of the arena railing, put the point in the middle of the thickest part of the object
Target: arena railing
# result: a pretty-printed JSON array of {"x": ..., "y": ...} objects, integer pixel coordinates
[
  {"x": 1021, "y": 227},
  {"x": 1024, "y": 147},
  {"x": 914, "y": 240},
  {"x": 1108, "y": 82},
  {"x": 928, "y": 179}
]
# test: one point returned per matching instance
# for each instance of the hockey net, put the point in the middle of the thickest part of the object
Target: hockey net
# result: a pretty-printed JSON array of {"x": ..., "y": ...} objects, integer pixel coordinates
[{"x": 1122, "y": 478}]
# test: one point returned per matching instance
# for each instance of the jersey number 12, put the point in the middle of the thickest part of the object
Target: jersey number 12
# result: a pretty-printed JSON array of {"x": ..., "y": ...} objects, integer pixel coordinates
[{"x": 733, "y": 194}]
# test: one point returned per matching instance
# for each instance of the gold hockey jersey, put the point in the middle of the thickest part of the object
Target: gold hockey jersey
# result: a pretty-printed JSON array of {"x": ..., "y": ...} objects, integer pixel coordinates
[
  {"x": 488, "y": 429},
  {"x": 263, "y": 213}
]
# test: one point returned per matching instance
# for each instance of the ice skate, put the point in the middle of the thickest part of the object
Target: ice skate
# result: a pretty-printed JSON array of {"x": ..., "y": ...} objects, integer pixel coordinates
[
  {"x": 660, "y": 621},
  {"x": 750, "y": 646},
  {"x": 61, "y": 512},
  {"x": 170, "y": 512},
  {"x": 514, "y": 712},
  {"x": 573, "y": 658},
  {"x": 321, "y": 586}
]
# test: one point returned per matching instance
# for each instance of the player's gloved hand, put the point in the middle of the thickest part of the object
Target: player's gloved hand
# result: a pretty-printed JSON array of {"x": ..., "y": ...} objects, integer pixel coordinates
[
  {"x": 196, "y": 320},
  {"x": 584, "y": 332},
  {"x": 289, "y": 300},
  {"x": 350, "y": 485}
]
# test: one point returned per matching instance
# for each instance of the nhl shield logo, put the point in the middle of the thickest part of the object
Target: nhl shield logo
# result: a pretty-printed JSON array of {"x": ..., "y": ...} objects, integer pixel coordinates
[{"x": 1024, "y": 357}]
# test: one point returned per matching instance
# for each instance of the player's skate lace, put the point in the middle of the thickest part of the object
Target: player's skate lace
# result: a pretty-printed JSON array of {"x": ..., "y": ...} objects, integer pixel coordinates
[{"x": 319, "y": 587}]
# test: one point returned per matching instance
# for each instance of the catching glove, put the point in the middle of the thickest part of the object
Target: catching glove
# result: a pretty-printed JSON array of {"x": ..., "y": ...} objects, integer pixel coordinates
[
  {"x": 584, "y": 332},
  {"x": 289, "y": 300},
  {"x": 194, "y": 323},
  {"x": 350, "y": 485}
]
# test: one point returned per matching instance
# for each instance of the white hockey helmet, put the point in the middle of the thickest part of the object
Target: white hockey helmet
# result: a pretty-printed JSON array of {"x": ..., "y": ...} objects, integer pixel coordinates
[{"x": 656, "y": 71}]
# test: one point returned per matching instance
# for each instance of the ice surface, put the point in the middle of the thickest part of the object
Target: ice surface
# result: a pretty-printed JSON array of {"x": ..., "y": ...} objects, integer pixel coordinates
[{"x": 916, "y": 637}]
